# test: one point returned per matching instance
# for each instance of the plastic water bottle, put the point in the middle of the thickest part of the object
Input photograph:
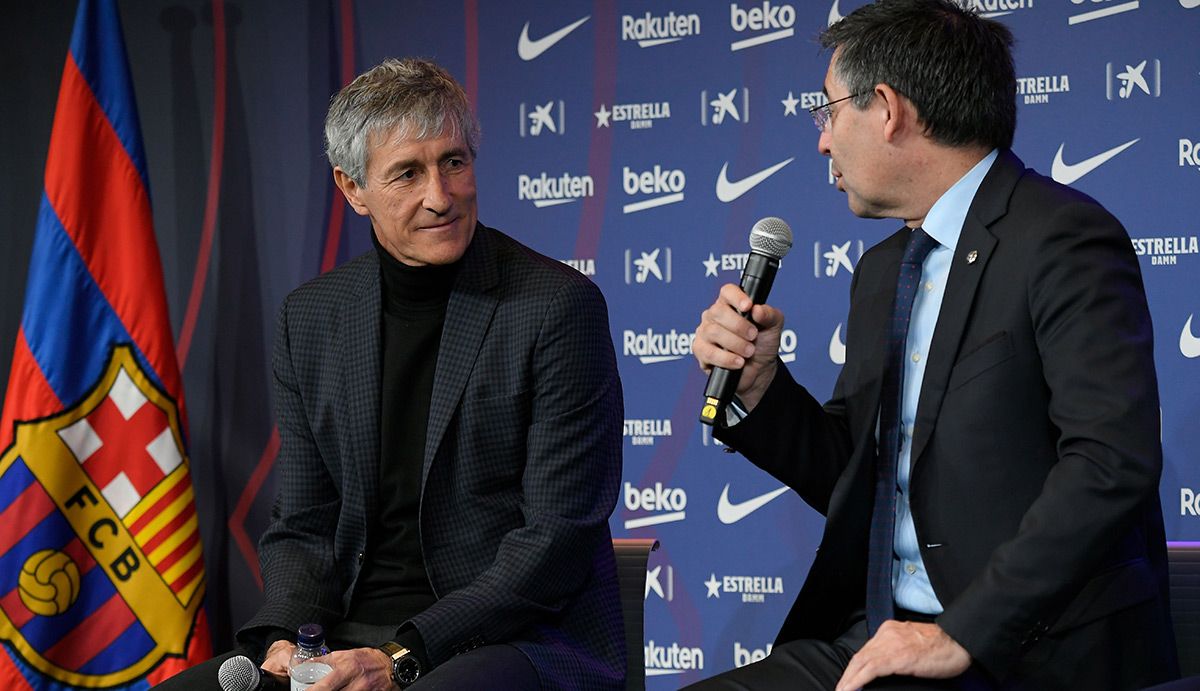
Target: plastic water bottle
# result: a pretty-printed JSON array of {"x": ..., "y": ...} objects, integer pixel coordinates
[{"x": 310, "y": 643}]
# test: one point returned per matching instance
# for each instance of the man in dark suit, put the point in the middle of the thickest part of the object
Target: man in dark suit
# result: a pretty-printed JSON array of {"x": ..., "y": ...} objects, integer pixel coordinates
[
  {"x": 450, "y": 427},
  {"x": 988, "y": 464}
]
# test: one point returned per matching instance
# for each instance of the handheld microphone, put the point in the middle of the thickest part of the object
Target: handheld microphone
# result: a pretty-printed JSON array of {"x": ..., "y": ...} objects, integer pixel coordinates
[
  {"x": 770, "y": 239},
  {"x": 239, "y": 673}
]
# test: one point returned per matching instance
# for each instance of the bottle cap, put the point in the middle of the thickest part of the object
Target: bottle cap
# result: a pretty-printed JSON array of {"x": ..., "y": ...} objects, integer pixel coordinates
[{"x": 310, "y": 636}]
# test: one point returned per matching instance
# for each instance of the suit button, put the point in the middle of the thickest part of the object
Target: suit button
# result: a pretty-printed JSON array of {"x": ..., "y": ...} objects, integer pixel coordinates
[{"x": 361, "y": 557}]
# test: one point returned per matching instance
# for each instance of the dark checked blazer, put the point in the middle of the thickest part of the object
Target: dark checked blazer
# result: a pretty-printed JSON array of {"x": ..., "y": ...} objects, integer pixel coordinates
[
  {"x": 521, "y": 471},
  {"x": 1036, "y": 454}
]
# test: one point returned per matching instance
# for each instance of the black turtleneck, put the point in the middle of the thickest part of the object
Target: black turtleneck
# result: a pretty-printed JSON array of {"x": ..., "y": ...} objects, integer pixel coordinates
[{"x": 393, "y": 585}]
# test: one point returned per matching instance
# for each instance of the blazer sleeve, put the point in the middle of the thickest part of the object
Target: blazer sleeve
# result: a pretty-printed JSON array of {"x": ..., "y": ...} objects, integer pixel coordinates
[
  {"x": 296, "y": 552},
  {"x": 1093, "y": 335},
  {"x": 570, "y": 482},
  {"x": 790, "y": 435}
]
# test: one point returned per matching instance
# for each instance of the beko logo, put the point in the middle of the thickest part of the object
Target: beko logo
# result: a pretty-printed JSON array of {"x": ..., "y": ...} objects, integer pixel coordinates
[
  {"x": 1107, "y": 8},
  {"x": 776, "y": 20},
  {"x": 651, "y": 31},
  {"x": 663, "y": 185},
  {"x": 651, "y": 348},
  {"x": 744, "y": 656},
  {"x": 544, "y": 190},
  {"x": 665, "y": 505}
]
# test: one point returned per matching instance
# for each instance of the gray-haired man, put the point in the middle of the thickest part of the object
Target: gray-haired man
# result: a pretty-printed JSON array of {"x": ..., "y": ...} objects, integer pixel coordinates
[{"x": 450, "y": 418}]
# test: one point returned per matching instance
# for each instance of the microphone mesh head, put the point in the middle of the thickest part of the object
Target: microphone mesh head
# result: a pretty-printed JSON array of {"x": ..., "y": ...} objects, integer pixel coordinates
[
  {"x": 238, "y": 673},
  {"x": 771, "y": 236}
]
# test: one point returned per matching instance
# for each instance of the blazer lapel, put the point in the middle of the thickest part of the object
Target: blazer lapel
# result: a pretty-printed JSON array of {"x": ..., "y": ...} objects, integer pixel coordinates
[
  {"x": 360, "y": 343},
  {"x": 975, "y": 246},
  {"x": 468, "y": 315},
  {"x": 879, "y": 287}
]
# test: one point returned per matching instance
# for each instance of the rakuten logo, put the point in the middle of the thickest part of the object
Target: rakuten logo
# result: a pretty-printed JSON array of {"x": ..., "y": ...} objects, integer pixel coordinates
[
  {"x": 777, "y": 20},
  {"x": 1188, "y": 505},
  {"x": 666, "y": 184},
  {"x": 665, "y": 504},
  {"x": 544, "y": 190},
  {"x": 651, "y": 348},
  {"x": 1189, "y": 153},
  {"x": 675, "y": 659}
]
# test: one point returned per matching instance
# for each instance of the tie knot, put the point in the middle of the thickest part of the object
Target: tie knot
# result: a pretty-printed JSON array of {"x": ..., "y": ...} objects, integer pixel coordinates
[{"x": 920, "y": 244}]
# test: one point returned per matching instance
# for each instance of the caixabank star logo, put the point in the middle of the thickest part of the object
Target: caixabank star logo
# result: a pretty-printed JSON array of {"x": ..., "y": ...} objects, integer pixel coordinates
[{"x": 101, "y": 571}]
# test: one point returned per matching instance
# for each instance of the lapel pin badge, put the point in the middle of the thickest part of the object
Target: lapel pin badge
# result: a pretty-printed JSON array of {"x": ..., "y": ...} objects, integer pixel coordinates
[{"x": 972, "y": 256}]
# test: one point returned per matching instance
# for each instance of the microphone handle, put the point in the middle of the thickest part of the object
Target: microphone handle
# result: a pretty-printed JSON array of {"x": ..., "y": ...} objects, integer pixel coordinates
[{"x": 757, "y": 278}]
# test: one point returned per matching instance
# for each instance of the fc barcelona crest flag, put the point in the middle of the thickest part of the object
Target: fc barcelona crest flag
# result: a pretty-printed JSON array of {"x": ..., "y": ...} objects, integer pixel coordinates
[{"x": 101, "y": 568}]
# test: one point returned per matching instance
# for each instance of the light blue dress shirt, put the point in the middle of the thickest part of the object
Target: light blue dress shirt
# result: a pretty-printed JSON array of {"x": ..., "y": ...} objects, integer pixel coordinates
[{"x": 910, "y": 582}]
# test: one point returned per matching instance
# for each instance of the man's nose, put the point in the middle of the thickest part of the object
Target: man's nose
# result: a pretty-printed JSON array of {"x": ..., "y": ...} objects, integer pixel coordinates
[
  {"x": 437, "y": 196},
  {"x": 823, "y": 141}
]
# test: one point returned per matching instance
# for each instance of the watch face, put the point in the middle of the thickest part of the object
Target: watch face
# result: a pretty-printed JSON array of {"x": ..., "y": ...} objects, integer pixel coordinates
[{"x": 407, "y": 669}]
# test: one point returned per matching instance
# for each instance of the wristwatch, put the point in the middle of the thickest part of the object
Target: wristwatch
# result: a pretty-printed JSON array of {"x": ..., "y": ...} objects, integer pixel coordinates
[{"x": 406, "y": 668}]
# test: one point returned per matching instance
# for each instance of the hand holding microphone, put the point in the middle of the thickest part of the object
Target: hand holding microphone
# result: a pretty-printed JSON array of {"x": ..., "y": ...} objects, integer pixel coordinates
[{"x": 738, "y": 336}]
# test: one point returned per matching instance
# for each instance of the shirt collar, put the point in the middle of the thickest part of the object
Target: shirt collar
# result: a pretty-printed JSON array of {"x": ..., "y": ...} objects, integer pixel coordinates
[{"x": 944, "y": 221}]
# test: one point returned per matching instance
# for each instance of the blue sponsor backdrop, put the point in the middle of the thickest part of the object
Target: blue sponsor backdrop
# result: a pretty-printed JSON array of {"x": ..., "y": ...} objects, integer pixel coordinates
[{"x": 639, "y": 141}]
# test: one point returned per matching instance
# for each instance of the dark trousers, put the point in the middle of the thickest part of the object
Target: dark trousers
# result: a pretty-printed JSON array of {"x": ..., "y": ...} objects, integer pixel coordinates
[
  {"x": 488, "y": 667},
  {"x": 811, "y": 665},
  {"x": 1059, "y": 662}
]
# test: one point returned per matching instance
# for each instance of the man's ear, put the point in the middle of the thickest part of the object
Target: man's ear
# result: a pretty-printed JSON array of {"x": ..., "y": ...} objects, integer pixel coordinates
[
  {"x": 899, "y": 114},
  {"x": 350, "y": 189}
]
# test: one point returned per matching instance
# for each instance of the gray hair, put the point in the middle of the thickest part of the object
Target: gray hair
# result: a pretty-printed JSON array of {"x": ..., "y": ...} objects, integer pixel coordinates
[
  {"x": 415, "y": 98},
  {"x": 954, "y": 65}
]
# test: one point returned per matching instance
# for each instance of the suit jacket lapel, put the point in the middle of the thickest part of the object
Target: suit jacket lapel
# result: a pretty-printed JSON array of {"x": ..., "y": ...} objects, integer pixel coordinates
[
  {"x": 990, "y": 203},
  {"x": 360, "y": 344},
  {"x": 879, "y": 287},
  {"x": 468, "y": 315}
]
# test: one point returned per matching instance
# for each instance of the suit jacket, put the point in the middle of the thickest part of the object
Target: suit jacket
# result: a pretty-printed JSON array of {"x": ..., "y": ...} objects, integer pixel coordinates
[
  {"x": 521, "y": 469},
  {"x": 1035, "y": 453}
]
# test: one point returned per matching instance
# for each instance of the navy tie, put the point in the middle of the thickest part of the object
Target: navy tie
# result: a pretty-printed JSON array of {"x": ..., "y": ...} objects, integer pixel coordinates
[{"x": 883, "y": 517}]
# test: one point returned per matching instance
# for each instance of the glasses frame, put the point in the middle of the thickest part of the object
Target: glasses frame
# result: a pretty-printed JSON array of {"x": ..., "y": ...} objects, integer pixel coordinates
[{"x": 822, "y": 114}]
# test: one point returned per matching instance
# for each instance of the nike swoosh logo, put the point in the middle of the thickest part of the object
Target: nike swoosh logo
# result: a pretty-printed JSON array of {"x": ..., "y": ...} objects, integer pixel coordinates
[
  {"x": 529, "y": 50},
  {"x": 1189, "y": 345},
  {"x": 1189, "y": 4},
  {"x": 837, "y": 349},
  {"x": 731, "y": 513},
  {"x": 835, "y": 16},
  {"x": 728, "y": 191},
  {"x": 1066, "y": 173}
]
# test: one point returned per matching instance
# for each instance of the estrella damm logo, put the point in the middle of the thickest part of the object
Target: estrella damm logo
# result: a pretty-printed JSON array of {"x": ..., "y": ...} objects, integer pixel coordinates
[{"x": 101, "y": 571}]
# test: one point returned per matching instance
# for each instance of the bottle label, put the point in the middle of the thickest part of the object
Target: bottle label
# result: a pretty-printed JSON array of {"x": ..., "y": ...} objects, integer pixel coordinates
[{"x": 307, "y": 674}]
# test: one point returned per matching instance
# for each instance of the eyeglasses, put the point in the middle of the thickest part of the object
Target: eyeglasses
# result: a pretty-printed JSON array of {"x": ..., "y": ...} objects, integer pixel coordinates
[{"x": 822, "y": 113}]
